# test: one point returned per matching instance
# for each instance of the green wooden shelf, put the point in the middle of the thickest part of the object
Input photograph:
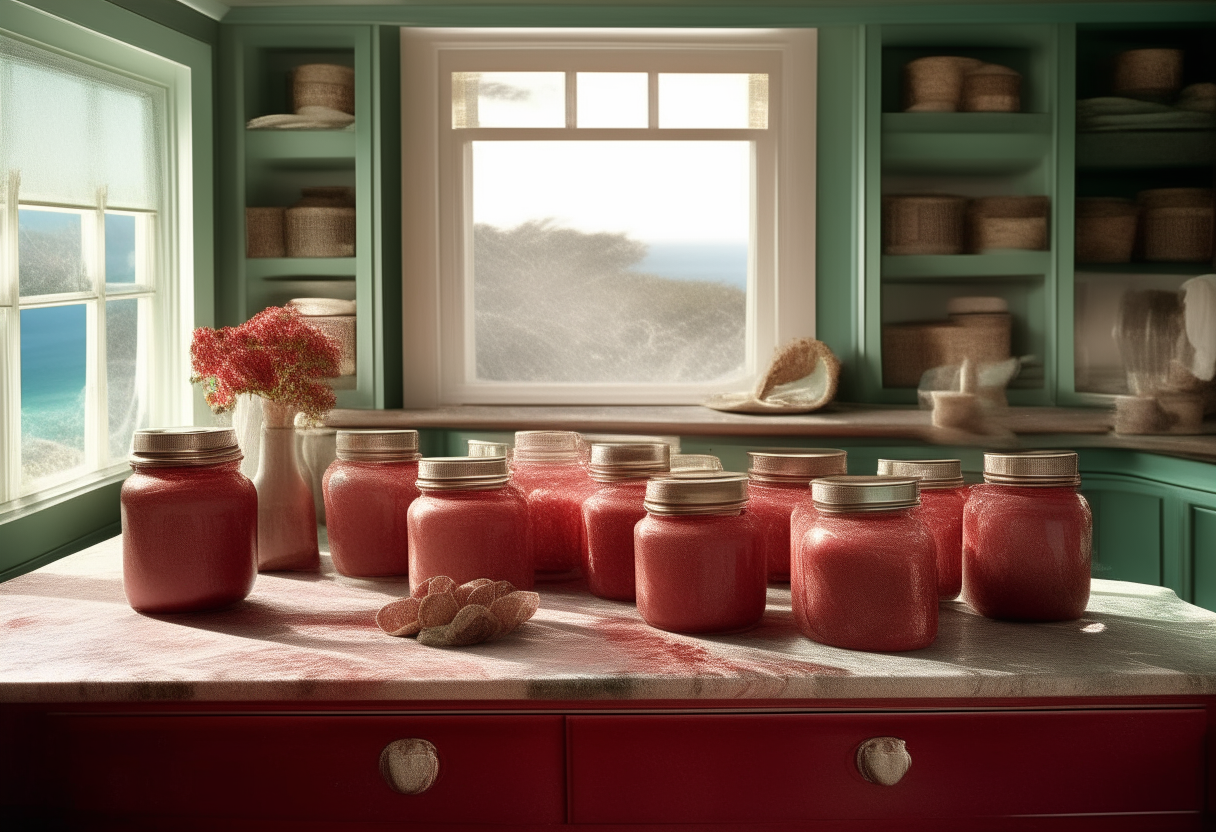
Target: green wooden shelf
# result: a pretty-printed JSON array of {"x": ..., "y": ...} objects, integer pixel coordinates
[
  {"x": 1010, "y": 123},
  {"x": 300, "y": 149},
  {"x": 982, "y": 153},
  {"x": 1142, "y": 149},
  {"x": 301, "y": 268},
  {"x": 1011, "y": 264}
]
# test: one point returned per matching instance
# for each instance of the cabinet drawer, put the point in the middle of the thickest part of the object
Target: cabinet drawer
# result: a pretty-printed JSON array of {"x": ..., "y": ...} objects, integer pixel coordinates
[
  {"x": 491, "y": 768},
  {"x": 751, "y": 768}
]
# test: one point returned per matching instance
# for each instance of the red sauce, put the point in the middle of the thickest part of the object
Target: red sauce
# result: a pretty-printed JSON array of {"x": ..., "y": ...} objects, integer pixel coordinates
[
  {"x": 699, "y": 573},
  {"x": 941, "y": 510},
  {"x": 1027, "y": 552},
  {"x": 555, "y": 492},
  {"x": 866, "y": 580},
  {"x": 365, "y": 509},
  {"x": 189, "y": 537},
  {"x": 469, "y": 534},
  {"x": 771, "y": 506},
  {"x": 609, "y": 516}
]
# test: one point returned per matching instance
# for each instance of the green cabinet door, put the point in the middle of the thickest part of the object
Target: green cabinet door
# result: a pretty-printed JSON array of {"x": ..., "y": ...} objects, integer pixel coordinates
[
  {"x": 1128, "y": 515},
  {"x": 1203, "y": 552}
]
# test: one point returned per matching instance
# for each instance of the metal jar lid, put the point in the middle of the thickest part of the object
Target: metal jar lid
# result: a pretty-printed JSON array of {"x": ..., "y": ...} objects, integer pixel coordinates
[
  {"x": 184, "y": 446},
  {"x": 378, "y": 445},
  {"x": 865, "y": 493},
  {"x": 695, "y": 462},
  {"x": 612, "y": 461},
  {"x": 696, "y": 492},
  {"x": 484, "y": 448},
  {"x": 546, "y": 446},
  {"x": 453, "y": 473},
  {"x": 932, "y": 473},
  {"x": 1036, "y": 469},
  {"x": 796, "y": 465}
]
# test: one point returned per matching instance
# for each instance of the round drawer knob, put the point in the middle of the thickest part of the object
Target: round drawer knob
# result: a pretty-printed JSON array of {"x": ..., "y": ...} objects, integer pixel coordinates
[
  {"x": 883, "y": 760},
  {"x": 409, "y": 766}
]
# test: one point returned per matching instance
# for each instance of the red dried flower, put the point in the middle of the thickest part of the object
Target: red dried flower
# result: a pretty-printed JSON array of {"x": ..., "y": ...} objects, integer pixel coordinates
[{"x": 275, "y": 355}]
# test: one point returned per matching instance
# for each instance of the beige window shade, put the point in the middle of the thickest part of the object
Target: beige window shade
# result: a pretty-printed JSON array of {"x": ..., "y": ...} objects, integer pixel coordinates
[{"x": 70, "y": 129}]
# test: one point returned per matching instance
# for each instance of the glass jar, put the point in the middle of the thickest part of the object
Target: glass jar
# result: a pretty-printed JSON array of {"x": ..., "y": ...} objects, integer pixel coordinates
[
  {"x": 942, "y": 497},
  {"x": 548, "y": 470},
  {"x": 610, "y": 514},
  {"x": 864, "y": 576},
  {"x": 1028, "y": 538},
  {"x": 695, "y": 462},
  {"x": 482, "y": 448},
  {"x": 778, "y": 483},
  {"x": 466, "y": 524},
  {"x": 189, "y": 522},
  {"x": 368, "y": 490},
  {"x": 697, "y": 564}
]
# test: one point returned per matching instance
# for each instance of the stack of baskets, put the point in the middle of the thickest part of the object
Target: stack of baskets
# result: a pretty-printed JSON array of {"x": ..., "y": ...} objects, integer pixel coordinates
[
  {"x": 950, "y": 83},
  {"x": 1164, "y": 225},
  {"x": 978, "y": 328},
  {"x": 320, "y": 224},
  {"x": 949, "y": 224}
]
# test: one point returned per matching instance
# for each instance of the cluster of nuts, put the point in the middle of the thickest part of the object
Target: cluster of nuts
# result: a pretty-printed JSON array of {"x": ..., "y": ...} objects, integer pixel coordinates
[{"x": 443, "y": 614}]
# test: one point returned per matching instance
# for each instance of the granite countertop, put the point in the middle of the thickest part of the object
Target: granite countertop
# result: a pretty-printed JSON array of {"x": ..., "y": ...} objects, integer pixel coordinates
[
  {"x": 1011, "y": 427},
  {"x": 69, "y": 636}
]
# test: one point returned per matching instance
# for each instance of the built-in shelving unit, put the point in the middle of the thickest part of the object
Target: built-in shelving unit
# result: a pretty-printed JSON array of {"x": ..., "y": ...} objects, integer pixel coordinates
[
  {"x": 973, "y": 155},
  {"x": 269, "y": 167}
]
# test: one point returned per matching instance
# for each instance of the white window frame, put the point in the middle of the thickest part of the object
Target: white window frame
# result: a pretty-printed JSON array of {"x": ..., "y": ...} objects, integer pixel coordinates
[
  {"x": 437, "y": 226},
  {"x": 167, "y": 255}
]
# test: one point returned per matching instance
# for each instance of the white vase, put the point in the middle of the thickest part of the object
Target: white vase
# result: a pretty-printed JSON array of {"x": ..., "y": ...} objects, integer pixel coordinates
[{"x": 287, "y": 520}]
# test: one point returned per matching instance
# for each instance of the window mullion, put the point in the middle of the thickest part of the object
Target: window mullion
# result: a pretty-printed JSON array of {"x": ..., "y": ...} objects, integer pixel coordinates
[
  {"x": 652, "y": 100},
  {"x": 95, "y": 444},
  {"x": 571, "y": 100},
  {"x": 10, "y": 340}
]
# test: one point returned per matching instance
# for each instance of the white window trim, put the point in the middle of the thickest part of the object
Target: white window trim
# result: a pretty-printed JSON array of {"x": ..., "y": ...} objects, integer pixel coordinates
[
  {"x": 170, "y": 293},
  {"x": 434, "y": 243}
]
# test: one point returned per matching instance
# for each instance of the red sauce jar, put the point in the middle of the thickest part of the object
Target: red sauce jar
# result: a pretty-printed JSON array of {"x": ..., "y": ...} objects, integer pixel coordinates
[
  {"x": 942, "y": 497},
  {"x": 778, "y": 483},
  {"x": 466, "y": 524},
  {"x": 610, "y": 514},
  {"x": 864, "y": 576},
  {"x": 698, "y": 567},
  {"x": 189, "y": 522},
  {"x": 548, "y": 469},
  {"x": 368, "y": 490},
  {"x": 1028, "y": 538}
]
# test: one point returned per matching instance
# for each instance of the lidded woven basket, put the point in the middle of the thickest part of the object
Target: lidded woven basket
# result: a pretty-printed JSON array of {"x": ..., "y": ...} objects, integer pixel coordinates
[
  {"x": 923, "y": 224},
  {"x": 264, "y": 232},
  {"x": 992, "y": 88},
  {"x": 1008, "y": 222},
  {"x": 1106, "y": 229},
  {"x": 1177, "y": 224},
  {"x": 1153, "y": 74},
  {"x": 934, "y": 84},
  {"x": 315, "y": 231},
  {"x": 323, "y": 85}
]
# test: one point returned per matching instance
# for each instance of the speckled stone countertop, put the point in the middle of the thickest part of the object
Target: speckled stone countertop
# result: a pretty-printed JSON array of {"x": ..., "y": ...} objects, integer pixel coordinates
[
  {"x": 1011, "y": 427},
  {"x": 67, "y": 635}
]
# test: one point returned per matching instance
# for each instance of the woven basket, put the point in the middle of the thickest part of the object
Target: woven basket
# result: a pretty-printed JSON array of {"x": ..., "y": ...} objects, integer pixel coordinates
[
  {"x": 935, "y": 84},
  {"x": 1178, "y": 235},
  {"x": 1148, "y": 73},
  {"x": 323, "y": 85},
  {"x": 1007, "y": 222},
  {"x": 923, "y": 224},
  {"x": 1106, "y": 230},
  {"x": 320, "y": 232},
  {"x": 342, "y": 329},
  {"x": 1176, "y": 198},
  {"x": 264, "y": 236},
  {"x": 908, "y": 350},
  {"x": 326, "y": 196},
  {"x": 992, "y": 88}
]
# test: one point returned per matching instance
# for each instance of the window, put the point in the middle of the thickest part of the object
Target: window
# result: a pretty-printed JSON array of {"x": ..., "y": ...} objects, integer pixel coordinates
[
  {"x": 88, "y": 281},
  {"x": 605, "y": 216}
]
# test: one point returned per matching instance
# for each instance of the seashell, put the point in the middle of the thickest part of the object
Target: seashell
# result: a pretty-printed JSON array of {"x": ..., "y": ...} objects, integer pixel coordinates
[
  {"x": 437, "y": 609},
  {"x": 400, "y": 617}
]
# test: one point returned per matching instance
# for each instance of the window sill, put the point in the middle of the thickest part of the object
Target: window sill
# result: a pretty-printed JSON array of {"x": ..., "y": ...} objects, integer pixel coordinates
[{"x": 25, "y": 506}]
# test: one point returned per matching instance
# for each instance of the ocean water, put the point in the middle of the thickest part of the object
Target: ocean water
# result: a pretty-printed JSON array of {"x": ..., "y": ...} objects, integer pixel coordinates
[
  {"x": 715, "y": 262},
  {"x": 53, "y": 355}
]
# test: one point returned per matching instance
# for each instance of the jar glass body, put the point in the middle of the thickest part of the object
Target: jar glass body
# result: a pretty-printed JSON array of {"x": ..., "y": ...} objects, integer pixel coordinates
[
  {"x": 189, "y": 537},
  {"x": 365, "y": 508},
  {"x": 771, "y": 506},
  {"x": 699, "y": 573},
  {"x": 468, "y": 534},
  {"x": 609, "y": 516},
  {"x": 866, "y": 580},
  {"x": 941, "y": 510},
  {"x": 1027, "y": 552},
  {"x": 555, "y": 492}
]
